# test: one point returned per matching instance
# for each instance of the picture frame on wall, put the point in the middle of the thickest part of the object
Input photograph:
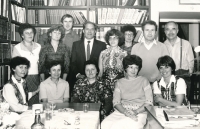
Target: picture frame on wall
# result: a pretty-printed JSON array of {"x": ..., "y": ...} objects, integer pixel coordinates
[{"x": 187, "y": 2}]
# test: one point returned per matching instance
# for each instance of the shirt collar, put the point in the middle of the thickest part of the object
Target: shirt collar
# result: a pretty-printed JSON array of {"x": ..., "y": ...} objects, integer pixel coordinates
[
  {"x": 154, "y": 41},
  {"x": 24, "y": 47},
  {"x": 86, "y": 40},
  {"x": 177, "y": 40},
  {"x": 172, "y": 79},
  {"x": 50, "y": 81},
  {"x": 15, "y": 81}
]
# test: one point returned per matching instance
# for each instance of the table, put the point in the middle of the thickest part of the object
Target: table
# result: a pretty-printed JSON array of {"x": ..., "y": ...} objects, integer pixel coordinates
[
  {"x": 89, "y": 120},
  {"x": 153, "y": 122}
]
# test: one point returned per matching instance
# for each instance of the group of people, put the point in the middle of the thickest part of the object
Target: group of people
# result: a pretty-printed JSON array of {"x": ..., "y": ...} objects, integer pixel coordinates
[{"x": 124, "y": 77}]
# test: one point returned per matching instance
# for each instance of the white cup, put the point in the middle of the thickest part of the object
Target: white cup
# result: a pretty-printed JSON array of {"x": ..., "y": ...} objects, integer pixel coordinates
[{"x": 37, "y": 106}]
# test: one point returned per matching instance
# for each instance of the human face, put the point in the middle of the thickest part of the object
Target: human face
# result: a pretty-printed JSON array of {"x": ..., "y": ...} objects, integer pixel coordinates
[
  {"x": 132, "y": 71},
  {"x": 89, "y": 31},
  {"x": 20, "y": 71},
  {"x": 171, "y": 31},
  {"x": 55, "y": 35},
  {"x": 55, "y": 72},
  {"x": 90, "y": 71},
  {"x": 114, "y": 40},
  {"x": 68, "y": 23},
  {"x": 165, "y": 71},
  {"x": 128, "y": 36},
  {"x": 28, "y": 35},
  {"x": 149, "y": 32}
]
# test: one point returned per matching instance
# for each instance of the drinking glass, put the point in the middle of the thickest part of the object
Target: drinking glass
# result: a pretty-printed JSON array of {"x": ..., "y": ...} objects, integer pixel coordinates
[{"x": 52, "y": 107}]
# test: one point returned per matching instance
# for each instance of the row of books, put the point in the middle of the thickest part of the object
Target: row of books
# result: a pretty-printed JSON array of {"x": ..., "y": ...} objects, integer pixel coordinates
[
  {"x": 18, "y": 13},
  {"x": 4, "y": 74},
  {"x": 54, "y": 16},
  {"x": 14, "y": 33},
  {"x": 56, "y": 2},
  {"x": 118, "y": 2},
  {"x": 4, "y": 8},
  {"x": 121, "y": 16},
  {"x": 3, "y": 29}
]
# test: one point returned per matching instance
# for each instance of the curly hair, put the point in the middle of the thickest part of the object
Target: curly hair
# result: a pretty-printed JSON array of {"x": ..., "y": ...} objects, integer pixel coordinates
[
  {"x": 150, "y": 22},
  {"x": 130, "y": 60},
  {"x": 114, "y": 32},
  {"x": 18, "y": 60},
  {"x": 57, "y": 28},
  {"x": 25, "y": 26},
  {"x": 129, "y": 28},
  {"x": 54, "y": 63},
  {"x": 166, "y": 61}
]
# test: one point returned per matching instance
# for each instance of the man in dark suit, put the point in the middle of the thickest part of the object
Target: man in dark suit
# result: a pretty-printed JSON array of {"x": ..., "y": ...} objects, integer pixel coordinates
[{"x": 85, "y": 49}]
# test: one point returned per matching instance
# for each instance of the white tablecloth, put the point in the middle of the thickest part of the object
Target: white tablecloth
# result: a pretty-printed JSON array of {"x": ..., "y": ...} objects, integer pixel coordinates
[
  {"x": 89, "y": 120},
  {"x": 176, "y": 124}
]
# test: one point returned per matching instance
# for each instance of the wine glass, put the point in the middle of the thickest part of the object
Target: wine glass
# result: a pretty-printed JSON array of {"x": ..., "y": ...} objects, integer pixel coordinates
[{"x": 52, "y": 107}]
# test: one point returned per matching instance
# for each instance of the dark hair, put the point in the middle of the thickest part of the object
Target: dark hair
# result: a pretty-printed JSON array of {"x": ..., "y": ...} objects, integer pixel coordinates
[
  {"x": 149, "y": 22},
  {"x": 66, "y": 16},
  {"x": 113, "y": 32},
  {"x": 166, "y": 61},
  {"x": 91, "y": 62},
  {"x": 25, "y": 26},
  {"x": 18, "y": 60},
  {"x": 54, "y": 63},
  {"x": 129, "y": 28},
  {"x": 130, "y": 60},
  {"x": 56, "y": 27},
  {"x": 89, "y": 22}
]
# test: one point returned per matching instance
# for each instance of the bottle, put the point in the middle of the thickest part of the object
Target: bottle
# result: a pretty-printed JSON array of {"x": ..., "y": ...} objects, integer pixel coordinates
[{"x": 37, "y": 124}]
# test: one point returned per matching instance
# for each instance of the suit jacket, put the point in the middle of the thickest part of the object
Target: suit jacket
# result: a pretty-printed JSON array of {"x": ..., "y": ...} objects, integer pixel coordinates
[{"x": 78, "y": 57}]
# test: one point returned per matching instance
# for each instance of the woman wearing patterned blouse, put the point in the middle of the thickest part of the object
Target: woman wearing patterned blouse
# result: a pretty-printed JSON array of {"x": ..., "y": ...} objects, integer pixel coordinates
[
  {"x": 92, "y": 90},
  {"x": 54, "y": 51},
  {"x": 129, "y": 32},
  {"x": 170, "y": 90},
  {"x": 110, "y": 60},
  {"x": 131, "y": 94}
]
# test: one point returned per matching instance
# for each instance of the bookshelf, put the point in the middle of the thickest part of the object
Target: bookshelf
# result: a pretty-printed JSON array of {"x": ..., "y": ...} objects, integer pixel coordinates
[
  {"x": 12, "y": 14},
  {"x": 106, "y": 13}
]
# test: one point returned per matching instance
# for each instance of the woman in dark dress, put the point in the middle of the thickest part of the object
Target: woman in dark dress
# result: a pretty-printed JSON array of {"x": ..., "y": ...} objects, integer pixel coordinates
[
  {"x": 55, "y": 50},
  {"x": 91, "y": 89}
]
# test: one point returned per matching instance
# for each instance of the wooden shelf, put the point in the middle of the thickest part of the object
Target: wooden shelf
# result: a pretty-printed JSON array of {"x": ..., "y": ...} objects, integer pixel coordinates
[
  {"x": 4, "y": 18},
  {"x": 58, "y": 7},
  {"x": 49, "y": 25},
  {"x": 110, "y": 25},
  {"x": 135, "y": 7},
  {"x": 16, "y": 22},
  {"x": 4, "y": 41}
]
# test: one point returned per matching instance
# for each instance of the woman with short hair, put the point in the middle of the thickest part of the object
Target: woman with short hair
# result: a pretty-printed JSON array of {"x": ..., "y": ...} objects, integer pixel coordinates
[
  {"x": 54, "y": 89},
  {"x": 92, "y": 89},
  {"x": 169, "y": 90},
  {"x": 15, "y": 91},
  {"x": 54, "y": 50},
  {"x": 132, "y": 93},
  {"x": 110, "y": 59},
  {"x": 30, "y": 50}
]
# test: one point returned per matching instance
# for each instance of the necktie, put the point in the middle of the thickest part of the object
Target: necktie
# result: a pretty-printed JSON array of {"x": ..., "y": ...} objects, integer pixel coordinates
[{"x": 88, "y": 50}]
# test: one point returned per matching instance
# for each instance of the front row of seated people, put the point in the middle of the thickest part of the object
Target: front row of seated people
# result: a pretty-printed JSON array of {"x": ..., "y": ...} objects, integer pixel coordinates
[{"x": 130, "y": 95}]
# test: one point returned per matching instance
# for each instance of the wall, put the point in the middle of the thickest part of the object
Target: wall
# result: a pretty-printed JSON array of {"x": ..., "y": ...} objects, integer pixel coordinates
[{"x": 174, "y": 6}]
